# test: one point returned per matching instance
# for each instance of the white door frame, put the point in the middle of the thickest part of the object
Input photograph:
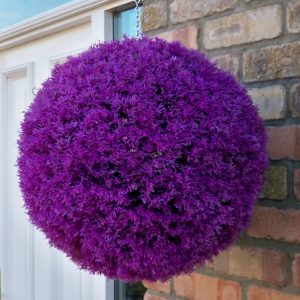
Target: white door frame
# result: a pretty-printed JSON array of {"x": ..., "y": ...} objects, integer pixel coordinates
[
  {"x": 20, "y": 71},
  {"x": 26, "y": 70}
]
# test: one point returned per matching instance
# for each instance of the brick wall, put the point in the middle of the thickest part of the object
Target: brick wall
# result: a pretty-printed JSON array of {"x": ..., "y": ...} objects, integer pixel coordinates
[{"x": 258, "y": 41}]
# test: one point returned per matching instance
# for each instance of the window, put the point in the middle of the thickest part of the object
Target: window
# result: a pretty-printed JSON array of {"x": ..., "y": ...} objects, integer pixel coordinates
[
  {"x": 124, "y": 22},
  {"x": 128, "y": 291},
  {"x": 14, "y": 11}
]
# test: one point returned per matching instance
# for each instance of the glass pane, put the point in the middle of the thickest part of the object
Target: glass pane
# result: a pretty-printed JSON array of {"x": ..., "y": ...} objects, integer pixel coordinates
[
  {"x": 125, "y": 23},
  {"x": 14, "y": 11},
  {"x": 127, "y": 291}
]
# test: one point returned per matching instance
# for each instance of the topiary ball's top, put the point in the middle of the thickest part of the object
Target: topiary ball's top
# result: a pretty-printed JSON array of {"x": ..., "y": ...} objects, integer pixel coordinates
[{"x": 140, "y": 159}]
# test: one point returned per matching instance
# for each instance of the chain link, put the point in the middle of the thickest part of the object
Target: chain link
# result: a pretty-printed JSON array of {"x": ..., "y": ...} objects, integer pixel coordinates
[{"x": 138, "y": 17}]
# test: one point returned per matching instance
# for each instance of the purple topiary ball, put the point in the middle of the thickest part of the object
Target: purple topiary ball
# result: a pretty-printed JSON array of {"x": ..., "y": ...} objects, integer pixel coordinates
[{"x": 140, "y": 159}]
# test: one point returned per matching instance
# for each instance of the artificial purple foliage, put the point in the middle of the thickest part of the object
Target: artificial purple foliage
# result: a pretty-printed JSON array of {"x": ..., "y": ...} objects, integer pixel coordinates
[{"x": 141, "y": 159}]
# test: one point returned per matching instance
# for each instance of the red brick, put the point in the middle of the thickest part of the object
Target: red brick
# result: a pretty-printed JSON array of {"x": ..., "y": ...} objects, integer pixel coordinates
[
  {"x": 185, "y": 285},
  {"x": 258, "y": 293},
  {"x": 280, "y": 61},
  {"x": 245, "y": 27},
  {"x": 297, "y": 184},
  {"x": 284, "y": 142},
  {"x": 186, "y": 35},
  {"x": 228, "y": 290},
  {"x": 270, "y": 101},
  {"x": 154, "y": 16},
  {"x": 184, "y": 10},
  {"x": 148, "y": 296},
  {"x": 228, "y": 62},
  {"x": 275, "y": 183},
  {"x": 281, "y": 225},
  {"x": 293, "y": 16},
  {"x": 199, "y": 286},
  {"x": 220, "y": 263},
  {"x": 158, "y": 286},
  {"x": 253, "y": 263},
  {"x": 246, "y": 262},
  {"x": 296, "y": 271},
  {"x": 275, "y": 267},
  {"x": 295, "y": 99}
]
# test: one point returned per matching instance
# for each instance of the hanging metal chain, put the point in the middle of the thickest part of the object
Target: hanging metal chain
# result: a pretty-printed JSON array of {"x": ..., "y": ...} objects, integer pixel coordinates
[{"x": 138, "y": 18}]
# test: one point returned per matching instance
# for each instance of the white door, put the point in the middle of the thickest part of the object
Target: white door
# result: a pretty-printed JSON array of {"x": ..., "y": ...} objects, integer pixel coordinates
[
  {"x": 17, "y": 232},
  {"x": 30, "y": 268}
]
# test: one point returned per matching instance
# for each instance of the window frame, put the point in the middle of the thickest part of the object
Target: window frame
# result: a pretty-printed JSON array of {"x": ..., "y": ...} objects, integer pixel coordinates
[
  {"x": 117, "y": 19},
  {"x": 119, "y": 287}
]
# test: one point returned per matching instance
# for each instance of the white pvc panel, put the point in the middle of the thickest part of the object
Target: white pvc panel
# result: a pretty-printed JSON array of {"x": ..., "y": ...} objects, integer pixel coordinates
[{"x": 17, "y": 275}]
